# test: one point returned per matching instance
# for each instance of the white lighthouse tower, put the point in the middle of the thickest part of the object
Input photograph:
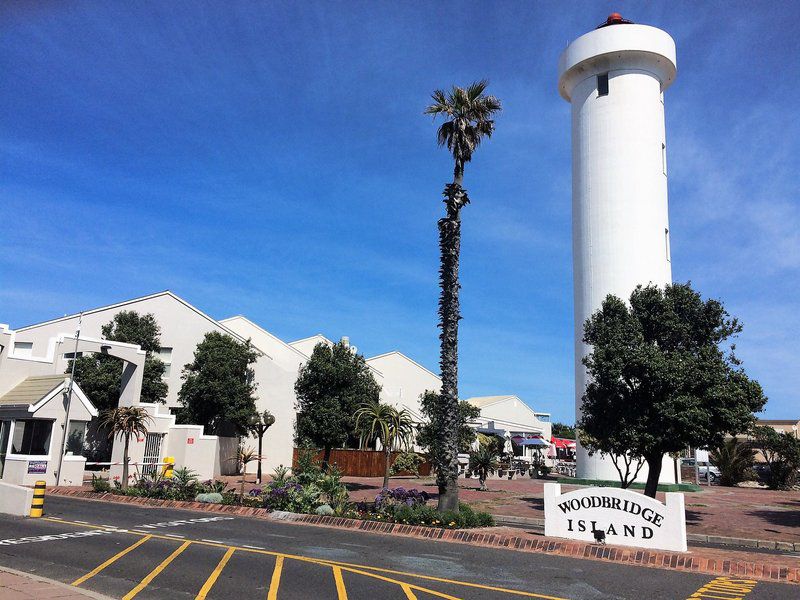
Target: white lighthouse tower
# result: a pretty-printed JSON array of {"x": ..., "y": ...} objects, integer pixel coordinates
[{"x": 615, "y": 78}]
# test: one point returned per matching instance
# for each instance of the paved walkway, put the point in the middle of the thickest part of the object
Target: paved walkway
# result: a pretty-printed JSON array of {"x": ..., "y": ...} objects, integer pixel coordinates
[{"x": 15, "y": 585}]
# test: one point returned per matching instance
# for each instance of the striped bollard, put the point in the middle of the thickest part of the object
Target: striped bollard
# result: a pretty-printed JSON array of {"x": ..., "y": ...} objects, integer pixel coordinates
[{"x": 37, "y": 504}]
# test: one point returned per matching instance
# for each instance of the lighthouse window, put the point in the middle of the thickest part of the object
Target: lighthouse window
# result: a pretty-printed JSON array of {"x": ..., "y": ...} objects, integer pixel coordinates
[
  {"x": 666, "y": 244},
  {"x": 602, "y": 85}
]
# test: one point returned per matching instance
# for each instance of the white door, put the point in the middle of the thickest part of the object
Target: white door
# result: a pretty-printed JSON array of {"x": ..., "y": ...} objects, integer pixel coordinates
[{"x": 152, "y": 452}]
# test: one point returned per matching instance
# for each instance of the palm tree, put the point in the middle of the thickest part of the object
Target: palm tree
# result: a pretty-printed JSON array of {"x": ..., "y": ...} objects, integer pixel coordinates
[
  {"x": 125, "y": 421},
  {"x": 482, "y": 462},
  {"x": 468, "y": 118},
  {"x": 392, "y": 427},
  {"x": 244, "y": 456},
  {"x": 733, "y": 459}
]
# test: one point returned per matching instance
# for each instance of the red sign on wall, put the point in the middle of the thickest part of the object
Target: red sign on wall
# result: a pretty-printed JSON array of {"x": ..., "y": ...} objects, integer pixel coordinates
[{"x": 190, "y": 440}]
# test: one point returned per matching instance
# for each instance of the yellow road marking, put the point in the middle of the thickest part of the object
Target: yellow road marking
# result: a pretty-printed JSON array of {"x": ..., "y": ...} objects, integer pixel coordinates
[
  {"x": 212, "y": 579},
  {"x": 329, "y": 563},
  {"x": 154, "y": 573},
  {"x": 341, "y": 591},
  {"x": 111, "y": 560},
  {"x": 275, "y": 582},
  {"x": 407, "y": 590},
  {"x": 407, "y": 587},
  {"x": 726, "y": 588}
]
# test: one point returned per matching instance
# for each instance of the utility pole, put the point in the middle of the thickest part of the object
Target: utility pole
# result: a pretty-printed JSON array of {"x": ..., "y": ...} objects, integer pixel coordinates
[{"x": 69, "y": 402}]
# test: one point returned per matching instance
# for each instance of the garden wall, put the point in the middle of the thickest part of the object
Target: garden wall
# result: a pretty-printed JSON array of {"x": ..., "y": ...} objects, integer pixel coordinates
[{"x": 363, "y": 463}]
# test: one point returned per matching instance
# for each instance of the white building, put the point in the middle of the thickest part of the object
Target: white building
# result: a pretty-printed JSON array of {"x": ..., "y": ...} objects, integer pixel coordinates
[
  {"x": 615, "y": 78},
  {"x": 509, "y": 413},
  {"x": 183, "y": 327}
]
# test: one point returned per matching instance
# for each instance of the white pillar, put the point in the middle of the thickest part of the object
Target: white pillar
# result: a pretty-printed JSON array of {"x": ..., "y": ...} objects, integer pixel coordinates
[{"x": 615, "y": 77}]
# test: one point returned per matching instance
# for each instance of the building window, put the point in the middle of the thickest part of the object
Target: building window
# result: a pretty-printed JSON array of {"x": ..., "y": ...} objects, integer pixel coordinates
[
  {"x": 666, "y": 244},
  {"x": 602, "y": 85},
  {"x": 71, "y": 355},
  {"x": 165, "y": 355},
  {"x": 32, "y": 437},
  {"x": 664, "y": 158},
  {"x": 23, "y": 348}
]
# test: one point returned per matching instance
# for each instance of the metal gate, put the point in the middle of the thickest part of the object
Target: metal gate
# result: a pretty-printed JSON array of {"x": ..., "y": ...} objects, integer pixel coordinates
[{"x": 152, "y": 452}]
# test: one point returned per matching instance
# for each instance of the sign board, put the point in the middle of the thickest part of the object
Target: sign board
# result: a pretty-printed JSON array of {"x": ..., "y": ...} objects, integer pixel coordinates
[
  {"x": 190, "y": 440},
  {"x": 626, "y": 518},
  {"x": 701, "y": 455},
  {"x": 38, "y": 467}
]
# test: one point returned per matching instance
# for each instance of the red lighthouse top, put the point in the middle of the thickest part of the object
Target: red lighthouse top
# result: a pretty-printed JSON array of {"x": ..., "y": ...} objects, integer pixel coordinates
[{"x": 614, "y": 19}]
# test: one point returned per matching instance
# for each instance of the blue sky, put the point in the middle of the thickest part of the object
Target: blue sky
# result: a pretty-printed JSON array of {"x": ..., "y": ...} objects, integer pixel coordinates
[{"x": 272, "y": 159}]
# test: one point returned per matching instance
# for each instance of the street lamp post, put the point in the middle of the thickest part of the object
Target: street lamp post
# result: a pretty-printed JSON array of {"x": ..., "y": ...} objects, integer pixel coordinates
[
  {"x": 259, "y": 423},
  {"x": 794, "y": 428}
]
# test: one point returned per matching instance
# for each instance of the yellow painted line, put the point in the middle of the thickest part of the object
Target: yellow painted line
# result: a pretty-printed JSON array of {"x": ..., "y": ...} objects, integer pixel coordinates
[
  {"x": 334, "y": 563},
  {"x": 406, "y": 587},
  {"x": 154, "y": 573},
  {"x": 275, "y": 582},
  {"x": 212, "y": 579},
  {"x": 111, "y": 560},
  {"x": 407, "y": 591},
  {"x": 341, "y": 591}
]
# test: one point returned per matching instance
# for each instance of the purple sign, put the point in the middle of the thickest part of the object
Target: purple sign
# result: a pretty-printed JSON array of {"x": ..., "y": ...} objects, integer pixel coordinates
[{"x": 37, "y": 467}]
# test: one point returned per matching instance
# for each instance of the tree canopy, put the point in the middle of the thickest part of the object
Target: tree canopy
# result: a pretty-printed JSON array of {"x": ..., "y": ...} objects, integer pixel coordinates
[
  {"x": 100, "y": 375},
  {"x": 330, "y": 388},
  {"x": 782, "y": 453},
  {"x": 429, "y": 433},
  {"x": 218, "y": 390},
  {"x": 663, "y": 376},
  {"x": 562, "y": 430}
]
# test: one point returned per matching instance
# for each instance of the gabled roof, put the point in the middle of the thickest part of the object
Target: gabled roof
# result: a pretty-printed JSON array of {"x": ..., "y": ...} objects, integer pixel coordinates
[
  {"x": 406, "y": 358},
  {"x": 484, "y": 401},
  {"x": 131, "y": 301},
  {"x": 36, "y": 391},
  {"x": 267, "y": 333},
  {"x": 318, "y": 336}
]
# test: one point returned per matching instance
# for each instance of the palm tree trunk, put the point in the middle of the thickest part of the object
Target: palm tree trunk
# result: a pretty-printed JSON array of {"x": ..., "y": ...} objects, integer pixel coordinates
[
  {"x": 449, "y": 315},
  {"x": 388, "y": 453},
  {"x": 125, "y": 462}
]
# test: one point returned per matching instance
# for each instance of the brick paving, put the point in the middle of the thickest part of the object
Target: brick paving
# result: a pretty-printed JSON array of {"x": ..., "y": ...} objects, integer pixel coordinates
[{"x": 22, "y": 586}]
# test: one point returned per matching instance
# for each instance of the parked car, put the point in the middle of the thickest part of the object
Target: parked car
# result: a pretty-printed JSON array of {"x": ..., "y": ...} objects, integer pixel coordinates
[
  {"x": 687, "y": 462},
  {"x": 707, "y": 472}
]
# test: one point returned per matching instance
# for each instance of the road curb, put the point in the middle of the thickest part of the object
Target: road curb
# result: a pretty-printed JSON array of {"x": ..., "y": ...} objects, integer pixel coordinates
[
  {"x": 58, "y": 584},
  {"x": 692, "y": 561}
]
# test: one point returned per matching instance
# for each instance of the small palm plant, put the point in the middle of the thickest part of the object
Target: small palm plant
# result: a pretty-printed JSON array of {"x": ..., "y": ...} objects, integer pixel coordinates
[
  {"x": 483, "y": 462},
  {"x": 125, "y": 421},
  {"x": 394, "y": 428},
  {"x": 243, "y": 457},
  {"x": 734, "y": 459},
  {"x": 468, "y": 114}
]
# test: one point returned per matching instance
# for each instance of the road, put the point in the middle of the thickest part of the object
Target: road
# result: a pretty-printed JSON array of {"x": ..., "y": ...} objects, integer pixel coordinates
[{"x": 130, "y": 552}]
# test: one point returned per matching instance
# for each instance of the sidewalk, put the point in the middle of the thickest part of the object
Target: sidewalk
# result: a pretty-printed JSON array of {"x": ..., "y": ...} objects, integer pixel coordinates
[{"x": 16, "y": 585}]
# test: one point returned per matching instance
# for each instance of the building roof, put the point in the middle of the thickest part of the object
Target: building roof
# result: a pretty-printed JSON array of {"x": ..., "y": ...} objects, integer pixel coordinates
[
  {"x": 483, "y": 401},
  {"x": 778, "y": 421},
  {"x": 406, "y": 358},
  {"x": 318, "y": 337},
  {"x": 32, "y": 389}
]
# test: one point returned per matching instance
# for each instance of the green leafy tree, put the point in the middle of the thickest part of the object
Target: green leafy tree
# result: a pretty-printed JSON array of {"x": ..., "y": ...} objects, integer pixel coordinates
[
  {"x": 330, "y": 388},
  {"x": 394, "y": 428},
  {"x": 561, "y": 430},
  {"x": 428, "y": 434},
  {"x": 663, "y": 377},
  {"x": 782, "y": 453},
  {"x": 218, "y": 390},
  {"x": 124, "y": 422},
  {"x": 468, "y": 119},
  {"x": 100, "y": 375},
  {"x": 734, "y": 459}
]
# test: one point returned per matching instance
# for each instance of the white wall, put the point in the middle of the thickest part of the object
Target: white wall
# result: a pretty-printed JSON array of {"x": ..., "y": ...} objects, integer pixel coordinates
[{"x": 403, "y": 381}]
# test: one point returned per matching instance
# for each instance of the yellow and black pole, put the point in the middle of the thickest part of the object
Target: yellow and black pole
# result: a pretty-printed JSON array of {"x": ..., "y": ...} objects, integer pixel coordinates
[{"x": 37, "y": 505}]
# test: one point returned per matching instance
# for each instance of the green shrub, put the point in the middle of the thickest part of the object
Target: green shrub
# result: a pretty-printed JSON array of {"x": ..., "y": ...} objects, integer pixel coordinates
[
  {"x": 280, "y": 475},
  {"x": 210, "y": 498},
  {"x": 325, "y": 510},
  {"x": 100, "y": 484},
  {"x": 406, "y": 462}
]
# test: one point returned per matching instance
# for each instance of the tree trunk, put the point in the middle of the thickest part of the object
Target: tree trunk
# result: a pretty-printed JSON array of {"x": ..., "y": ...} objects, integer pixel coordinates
[
  {"x": 388, "y": 454},
  {"x": 125, "y": 463},
  {"x": 449, "y": 315},
  {"x": 326, "y": 459},
  {"x": 653, "y": 474},
  {"x": 260, "y": 440}
]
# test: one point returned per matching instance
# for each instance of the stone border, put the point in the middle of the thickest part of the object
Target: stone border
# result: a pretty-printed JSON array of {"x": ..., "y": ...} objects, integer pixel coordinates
[
  {"x": 69, "y": 591},
  {"x": 679, "y": 561}
]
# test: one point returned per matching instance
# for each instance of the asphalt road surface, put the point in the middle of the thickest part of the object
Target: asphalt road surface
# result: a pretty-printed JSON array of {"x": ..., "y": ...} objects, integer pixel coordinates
[{"x": 129, "y": 552}]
